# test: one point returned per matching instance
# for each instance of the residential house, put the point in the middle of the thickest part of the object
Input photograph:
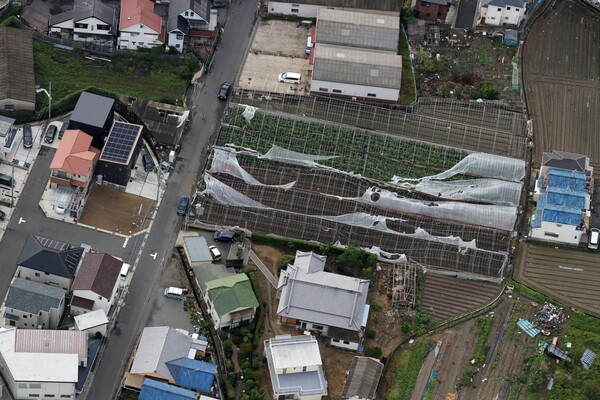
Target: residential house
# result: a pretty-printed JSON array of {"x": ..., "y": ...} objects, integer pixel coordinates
[
  {"x": 94, "y": 115},
  {"x": 330, "y": 304},
  {"x": 29, "y": 304},
  {"x": 49, "y": 261},
  {"x": 74, "y": 161},
  {"x": 169, "y": 355},
  {"x": 432, "y": 10},
  {"x": 504, "y": 12},
  {"x": 88, "y": 21},
  {"x": 92, "y": 323},
  {"x": 295, "y": 367},
  {"x": 562, "y": 194},
  {"x": 96, "y": 284},
  {"x": 37, "y": 15},
  {"x": 363, "y": 379},
  {"x": 310, "y": 8},
  {"x": 139, "y": 26},
  {"x": 231, "y": 301},
  {"x": 41, "y": 364},
  {"x": 156, "y": 390},
  {"x": 120, "y": 152},
  {"x": 17, "y": 80},
  {"x": 186, "y": 17}
]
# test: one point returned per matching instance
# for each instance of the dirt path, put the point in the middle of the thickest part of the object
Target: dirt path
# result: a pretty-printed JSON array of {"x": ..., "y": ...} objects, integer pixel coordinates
[{"x": 424, "y": 375}]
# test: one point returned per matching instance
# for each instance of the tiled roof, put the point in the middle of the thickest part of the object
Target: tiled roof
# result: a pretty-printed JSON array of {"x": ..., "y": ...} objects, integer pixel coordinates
[
  {"x": 16, "y": 65},
  {"x": 51, "y": 341},
  {"x": 75, "y": 153},
  {"x": 32, "y": 297},
  {"x": 99, "y": 273},
  {"x": 51, "y": 256},
  {"x": 139, "y": 12},
  {"x": 230, "y": 293}
]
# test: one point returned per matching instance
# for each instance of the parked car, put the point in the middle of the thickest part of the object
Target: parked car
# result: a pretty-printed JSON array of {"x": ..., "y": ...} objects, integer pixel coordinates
[
  {"x": 182, "y": 208},
  {"x": 215, "y": 253},
  {"x": 148, "y": 163},
  {"x": 62, "y": 130},
  {"x": 2, "y": 215},
  {"x": 27, "y": 136},
  {"x": 224, "y": 91},
  {"x": 224, "y": 236},
  {"x": 594, "y": 238},
  {"x": 290, "y": 77},
  {"x": 50, "y": 133}
]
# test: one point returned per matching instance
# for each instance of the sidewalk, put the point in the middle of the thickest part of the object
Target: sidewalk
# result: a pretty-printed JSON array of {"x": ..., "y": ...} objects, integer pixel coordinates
[{"x": 272, "y": 280}]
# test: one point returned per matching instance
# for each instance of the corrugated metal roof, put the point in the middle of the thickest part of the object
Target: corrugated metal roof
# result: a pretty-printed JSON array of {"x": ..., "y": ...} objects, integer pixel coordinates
[
  {"x": 90, "y": 320},
  {"x": 357, "y": 66},
  {"x": 358, "y": 29},
  {"x": 528, "y": 327},
  {"x": 384, "y": 5},
  {"x": 51, "y": 341},
  {"x": 17, "y": 80},
  {"x": 587, "y": 359},
  {"x": 197, "y": 249},
  {"x": 363, "y": 379}
]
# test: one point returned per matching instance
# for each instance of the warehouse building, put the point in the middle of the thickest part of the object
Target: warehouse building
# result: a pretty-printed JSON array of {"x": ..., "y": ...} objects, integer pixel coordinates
[{"x": 310, "y": 8}]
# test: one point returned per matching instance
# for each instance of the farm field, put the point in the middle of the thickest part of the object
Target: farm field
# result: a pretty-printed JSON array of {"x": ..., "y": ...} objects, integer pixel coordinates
[
  {"x": 474, "y": 127},
  {"x": 562, "y": 87},
  {"x": 570, "y": 276}
]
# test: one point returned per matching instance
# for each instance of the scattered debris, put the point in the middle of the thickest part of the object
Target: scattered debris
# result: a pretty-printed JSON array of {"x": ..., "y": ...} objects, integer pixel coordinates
[
  {"x": 553, "y": 350},
  {"x": 587, "y": 359},
  {"x": 528, "y": 328}
]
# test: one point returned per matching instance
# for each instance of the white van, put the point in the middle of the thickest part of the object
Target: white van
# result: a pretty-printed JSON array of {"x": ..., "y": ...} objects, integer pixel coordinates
[
  {"x": 290, "y": 77},
  {"x": 125, "y": 270},
  {"x": 174, "y": 293},
  {"x": 594, "y": 238}
]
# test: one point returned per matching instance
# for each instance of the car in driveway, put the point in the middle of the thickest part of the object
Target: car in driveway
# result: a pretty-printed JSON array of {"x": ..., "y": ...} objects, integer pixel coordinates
[
  {"x": 50, "y": 134},
  {"x": 2, "y": 215},
  {"x": 222, "y": 236},
  {"x": 215, "y": 253},
  {"x": 224, "y": 91}
]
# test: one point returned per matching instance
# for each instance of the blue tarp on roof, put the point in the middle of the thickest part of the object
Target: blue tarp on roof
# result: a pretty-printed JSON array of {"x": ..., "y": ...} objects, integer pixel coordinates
[
  {"x": 193, "y": 374},
  {"x": 528, "y": 327},
  {"x": 565, "y": 199},
  {"x": 155, "y": 390},
  {"x": 567, "y": 180},
  {"x": 552, "y": 214}
]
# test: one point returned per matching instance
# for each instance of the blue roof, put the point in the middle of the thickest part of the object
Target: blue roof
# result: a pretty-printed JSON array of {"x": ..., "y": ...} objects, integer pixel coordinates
[
  {"x": 551, "y": 214},
  {"x": 567, "y": 180},
  {"x": 155, "y": 390},
  {"x": 565, "y": 199},
  {"x": 193, "y": 374},
  {"x": 528, "y": 327}
]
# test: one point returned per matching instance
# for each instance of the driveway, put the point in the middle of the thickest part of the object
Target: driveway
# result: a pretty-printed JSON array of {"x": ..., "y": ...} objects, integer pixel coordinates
[{"x": 465, "y": 16}]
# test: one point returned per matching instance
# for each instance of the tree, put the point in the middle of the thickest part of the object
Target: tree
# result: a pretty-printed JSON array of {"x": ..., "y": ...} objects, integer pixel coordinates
[
  {"x": 355, "y": 257},
  {"x": 285, "y": 260},
  {"x": 371, "y": 333},
  {"x": 375, "y": 352},
  {"x": 406, "y": 327}
]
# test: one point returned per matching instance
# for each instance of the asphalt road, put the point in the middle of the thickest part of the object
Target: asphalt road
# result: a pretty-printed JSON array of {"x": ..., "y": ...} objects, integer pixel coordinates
[{"x": 190, "y": 161}]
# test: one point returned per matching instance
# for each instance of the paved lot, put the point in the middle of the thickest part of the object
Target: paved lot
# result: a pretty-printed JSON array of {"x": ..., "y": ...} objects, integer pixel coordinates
[{"x": 279, "y": 46}]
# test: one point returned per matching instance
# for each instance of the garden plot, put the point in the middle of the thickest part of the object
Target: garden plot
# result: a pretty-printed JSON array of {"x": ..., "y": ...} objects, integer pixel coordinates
[{"x": 277, "y": 175}]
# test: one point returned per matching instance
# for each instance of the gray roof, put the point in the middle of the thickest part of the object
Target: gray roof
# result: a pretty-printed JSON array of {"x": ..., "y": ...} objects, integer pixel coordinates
[
  {"x": 504, "y": 3},
  {"x": 32, "y": 297},
  {"x": 83, "y": 9},
  {"x": 384, "y": 5},
  {"x": 357, "y": 29},
  {"x": 92, "y": 109},
  {"x": 159, "y": 345},
  {"x": 210, "y": 272},
  {"x": 17, "y": 79},
  {"x": 322, "y": 297},
  {"x": 565, "y": 160},
  {"x": 357, "y": 66},
  {"x": 197, "y": 249},
  {"x": 176, "y": 7},
  {"x": 441, "y": 2},
  {"x": 309, "y": 383},
  {"x": 51, "y": 256},
  {"x": 6, "y": 124},
  {"x": 37, "y": 15},
  {"x": 363, "y": 379}
]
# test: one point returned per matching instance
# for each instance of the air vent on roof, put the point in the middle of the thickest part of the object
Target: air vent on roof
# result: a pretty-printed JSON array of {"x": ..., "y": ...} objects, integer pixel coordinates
[
  {"x": 340, "y": 55},
  {"x": 374, "y": 72}
]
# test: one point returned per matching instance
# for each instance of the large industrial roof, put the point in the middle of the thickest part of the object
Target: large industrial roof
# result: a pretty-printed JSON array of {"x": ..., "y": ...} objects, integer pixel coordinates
[
  {"x": 357, "y": 66},
  {"x": 358, "y": 29}
]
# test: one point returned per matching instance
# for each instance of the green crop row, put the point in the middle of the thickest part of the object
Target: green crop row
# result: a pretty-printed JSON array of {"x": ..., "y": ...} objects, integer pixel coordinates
[
  {"x": 375, "y": 167},
  {"x": 407, "y": 364},
  {"x": 340, "y": 136}
]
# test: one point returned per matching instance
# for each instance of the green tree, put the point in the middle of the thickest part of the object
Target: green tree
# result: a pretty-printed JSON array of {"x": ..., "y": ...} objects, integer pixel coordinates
[
  {"x": 375, "y": 352},
  {"x": 371, "y": 333},
  {"x": 355, "y": 257},
  {"x": 406, "y": 327},
  {"x": 285, "y": 260}
]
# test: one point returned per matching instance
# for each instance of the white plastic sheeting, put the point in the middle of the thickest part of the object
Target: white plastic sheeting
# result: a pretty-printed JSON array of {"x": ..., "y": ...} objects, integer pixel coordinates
[
  {"x": 277, "y": 153},
  {"x": 492, "y": 216},
  {"x": 225, "y": 161},
  {"x": 486, "y": 165},
  {"x": 248, "y": 113},
  {"x": 479, "y": 190},
  {"x": 227, "y": 195}
]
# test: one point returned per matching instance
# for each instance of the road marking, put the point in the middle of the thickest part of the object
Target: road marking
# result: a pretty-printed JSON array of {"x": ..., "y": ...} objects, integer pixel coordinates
[
  {"x": 125, "y": 243},
  {"x": 153, "y": 255},
  {"x": 21, "y": 220}
]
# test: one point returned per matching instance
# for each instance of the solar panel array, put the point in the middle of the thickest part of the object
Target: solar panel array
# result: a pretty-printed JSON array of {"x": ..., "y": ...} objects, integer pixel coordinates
[
  {"x": 53, "y": 244},
  {"x": 72, "y": 260},
  {"x": 121, "y": 140}
]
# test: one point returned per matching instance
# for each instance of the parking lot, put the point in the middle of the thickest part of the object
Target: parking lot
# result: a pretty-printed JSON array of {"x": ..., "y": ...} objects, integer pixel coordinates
[{"x": 278, "y": 46}]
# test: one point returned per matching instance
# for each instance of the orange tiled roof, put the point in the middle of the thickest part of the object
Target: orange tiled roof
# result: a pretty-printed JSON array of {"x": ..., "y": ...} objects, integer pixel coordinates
[
  {"x": 75, "y": 153},
  {"x": 139, "y": 12}
]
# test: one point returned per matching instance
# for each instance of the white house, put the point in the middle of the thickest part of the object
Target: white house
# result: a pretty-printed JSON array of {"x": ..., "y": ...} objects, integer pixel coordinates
[
  {"x": 92, "y": 323},
  {"x": 96, "y": 284},
  {"x": 139, "y": 26},
  {"x": 330, "y": 304},
  {"x": 88, "y": 21},
  {"x": 41, "y": 364},
  {"x": 49, "y": 261},
  {"x": 186, "y": 16},
  {"x": 310, "y": 8},
  {"x": 295, "y": 367},
  {"x": 230, "y": 301},
  {"x": 562, "y": 194},
  {"x": 503, "y": 12}
]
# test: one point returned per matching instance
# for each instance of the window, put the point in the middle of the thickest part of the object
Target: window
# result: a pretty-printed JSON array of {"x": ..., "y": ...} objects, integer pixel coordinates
[
  {"x": 50, "y": 395},
  {"x": 179, "y": 36},
  {"x": 337, "y": 91},
  {"x": 319, "y": 327},
  {"x": 295, "y": 10},
  {"x": 103, "y": 27},
  {"x": 65, "y": 396},
  {"x": 505, "y": 17},
  {"x": 551, "y": 234},
  {"x": 81, "y": 26},
  {"x": 186, "y": 13},
  {"x": 428, "y": 15},
  {"x": 371, "y": 95},
  {"x": 191, "y": 13},
  {"x": 499, "y": 9},
  {"x": 346, "y": 342},
  {"x": 323, "y": 89},
  {"x": 46, "y": 273},
  {"x": 34, "y": 395},
  {"x": 24, "y": 316},
  {"x": 284, "y": 371},
  {"x": 22, "y": 386},
  {"x": 9, "y": 107},
  {"x": 304, "y": 369},
  {"x": 335, "y": 340},
  {"x": 516, "y": 9},
  {"x": 99, "y": 297},
  {"x": 508, "y": 8},
  {"x": 177, "y": 45},
  {"x": 37, "y": 273}
]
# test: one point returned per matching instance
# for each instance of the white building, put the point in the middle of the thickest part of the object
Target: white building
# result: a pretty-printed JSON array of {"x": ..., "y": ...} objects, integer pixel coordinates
[
  {"x": 88, "y": 21},
  {"x": 41, "y": 364},
  {"x": 295, "y": 367},
  {"x": 139, "y": 26},
  {"x": 310, "y": 8},
  {"x": 92, "y": 323},
  {"x": 503, "y": 12},
  {"x": 330, "y": 304},
  {"x": 96, "y": 284},
  {"x": 186, "y": 16}
]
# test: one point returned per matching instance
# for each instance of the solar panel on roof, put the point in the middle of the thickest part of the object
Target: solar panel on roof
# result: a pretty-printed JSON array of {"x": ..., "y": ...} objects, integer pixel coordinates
[
  {"x": 121, "y": 140},
  {"x": 72, "y": 260},
  {"x": 53, "y": 244}
]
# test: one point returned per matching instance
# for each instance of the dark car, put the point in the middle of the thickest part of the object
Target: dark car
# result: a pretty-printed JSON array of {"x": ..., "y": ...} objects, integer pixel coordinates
[
  {"x": 50, "y": 133},
  {"x": 148, "y": 163},
  {"x": 224, "y": 91},
  {"x": 182, "y": 208},
  {"x": 221, "y": 236},
  {"x": 27, "y": 136},
  {"x": 62, "y": 130},
  {"x": 2, "y": 215}
]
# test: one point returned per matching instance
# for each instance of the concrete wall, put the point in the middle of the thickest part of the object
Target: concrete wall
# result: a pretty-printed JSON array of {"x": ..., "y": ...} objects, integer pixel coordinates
[
  {"x": 303, "y": 10},
  {"x": 350, "y": 90},
  {"x": 557, "y": 233},
  {"x": 498, "y": 16},
  {"x": 344, "y": 345},
  {"x": 18, "y": 104},
  {"x": 43, "y": 277}
]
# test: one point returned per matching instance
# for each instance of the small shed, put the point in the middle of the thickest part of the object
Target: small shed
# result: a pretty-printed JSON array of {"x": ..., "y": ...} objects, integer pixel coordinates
[
  {"x": 416, "y": 31},
  {"x": 511, "y": 37},
  {"x": 92, "y": 322},
  {"x": 196, "y": 250}
]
